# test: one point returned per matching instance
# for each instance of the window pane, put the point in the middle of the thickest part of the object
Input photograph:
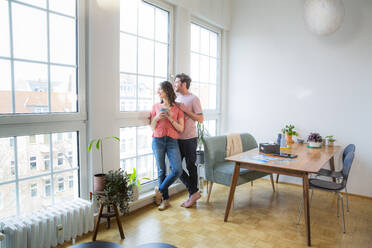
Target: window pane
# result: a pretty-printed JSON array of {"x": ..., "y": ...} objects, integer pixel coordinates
[
  {"x": 5, "y": 87},
  {"x": 212, "y": 97},
  {"x": 128, "y": 53},
  {"x": 128, "y": 89},
  {"x": 204, "y": 41},
  {"x": 145, "y": 57},
  {"x": 145, "y": 167},
  {"x": 194, "y": 88},
  {"x": 62, "y": 40},
  {"x": 161, "y": 60},
  {"x": 204, "y": 69},
  {"x": 63, "y": 149},
  {"x": 31, "y": 85},
  {"x": 8, "y": 204},
  {"x": 66, "y": 6},
  {"x": 7, "y": 172},
  {"x": 195, "y": 38},
  {"x": 195, "y": 67},
  {"x": 4, "y": 29},
  {"x": 213, "y": 44},
  {"x": 204, "y": 96},
  {"x": 127, "y": 142},
  {"x": 38, "y": 3},
  {"x": 145, "y": 92},
  {"x": 62, "y": 182},
  {"x": 32, "y": 196},
  {"x": 213, "y": 71},
  {"x": 161, "y": 22},
  {"x": 29, "y": 25},
  {"x": 30, "y": 156},
  {"x": 146, "y": 20},
  {"x": 128, "y": 164},
  {"x": 128, "y": 16},
  {"x": 63, "y": 87},
  {"x": 144, "y": 139}
]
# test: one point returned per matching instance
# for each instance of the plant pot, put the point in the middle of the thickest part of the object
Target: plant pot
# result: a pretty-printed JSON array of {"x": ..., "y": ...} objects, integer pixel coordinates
[
  {"x": 199, "y": 157},
  {"x": 99, "y": 182},
  {"x": 288, "y": 138},
  {"x": 315, "y": 144},
  {"x": 134, "y": 194}
]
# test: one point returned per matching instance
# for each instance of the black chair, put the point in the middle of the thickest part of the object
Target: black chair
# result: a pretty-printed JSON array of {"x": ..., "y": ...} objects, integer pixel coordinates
[
  {"x": 338, "y": 174},
  {"x": 334, "y": 187}
]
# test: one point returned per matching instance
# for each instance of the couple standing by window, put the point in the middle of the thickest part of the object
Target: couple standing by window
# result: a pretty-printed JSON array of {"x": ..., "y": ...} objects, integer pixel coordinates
[{"x": 174, "y": 133}]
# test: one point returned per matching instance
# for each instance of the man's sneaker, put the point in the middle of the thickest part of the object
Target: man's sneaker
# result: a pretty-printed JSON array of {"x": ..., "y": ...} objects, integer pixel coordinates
[
  {"x": 193, "y": 198},
  {"x": 158, "y": 196},
  {"x": 164, "y": 205}
]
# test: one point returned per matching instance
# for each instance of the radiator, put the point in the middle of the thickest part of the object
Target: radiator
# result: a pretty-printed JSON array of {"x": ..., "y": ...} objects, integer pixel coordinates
[{"x": 48, "y": 227}]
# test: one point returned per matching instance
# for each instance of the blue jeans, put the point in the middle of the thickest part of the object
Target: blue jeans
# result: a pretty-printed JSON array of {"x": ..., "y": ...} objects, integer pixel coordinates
[{"x": 169, "y": 146}]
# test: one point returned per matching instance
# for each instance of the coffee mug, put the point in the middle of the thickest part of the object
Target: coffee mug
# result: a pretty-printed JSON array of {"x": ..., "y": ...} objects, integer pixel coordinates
[{"x": 164, "y": 111}]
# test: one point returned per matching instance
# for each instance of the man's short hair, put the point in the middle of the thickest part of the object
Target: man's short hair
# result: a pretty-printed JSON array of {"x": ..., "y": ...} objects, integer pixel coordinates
[{"x": 184, "y": 79}]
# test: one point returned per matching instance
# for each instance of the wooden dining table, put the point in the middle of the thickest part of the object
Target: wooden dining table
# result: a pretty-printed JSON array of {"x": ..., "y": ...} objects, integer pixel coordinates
[{"x": 308, "y": 160}]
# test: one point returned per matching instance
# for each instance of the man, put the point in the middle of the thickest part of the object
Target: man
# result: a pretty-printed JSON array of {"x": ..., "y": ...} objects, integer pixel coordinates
[{"x": 190, "y": 105}]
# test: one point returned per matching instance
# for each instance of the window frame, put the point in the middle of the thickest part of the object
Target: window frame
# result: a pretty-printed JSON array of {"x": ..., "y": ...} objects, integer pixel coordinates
[
  {"x": 213, "y": 114},
  {"x": 33, "y": 186},
  {"x": 58, "y": 190}
]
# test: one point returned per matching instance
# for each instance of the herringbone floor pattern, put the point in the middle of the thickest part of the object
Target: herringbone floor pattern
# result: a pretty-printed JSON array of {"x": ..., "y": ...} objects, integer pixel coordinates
[{"x": 260, "y": 218}]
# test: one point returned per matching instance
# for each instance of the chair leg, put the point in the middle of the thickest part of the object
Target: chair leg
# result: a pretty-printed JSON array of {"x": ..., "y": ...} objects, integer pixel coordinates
[
  {"x": 347, "y": 200},
  {"x": 338, "y": 206},
  {"x": 209, "y": 191},
  {"x": 277, "y": 178},
  {"x": 342, "y": 208},
  {"x": 272, "y": 181}
]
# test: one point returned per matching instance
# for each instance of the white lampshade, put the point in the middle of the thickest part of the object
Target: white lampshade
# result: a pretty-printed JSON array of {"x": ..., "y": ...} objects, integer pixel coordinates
[{"x": 324, "y": 17}]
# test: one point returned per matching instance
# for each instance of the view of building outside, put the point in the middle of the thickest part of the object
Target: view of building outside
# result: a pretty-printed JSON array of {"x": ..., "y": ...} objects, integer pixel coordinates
[{"x": 44, "y": 168}]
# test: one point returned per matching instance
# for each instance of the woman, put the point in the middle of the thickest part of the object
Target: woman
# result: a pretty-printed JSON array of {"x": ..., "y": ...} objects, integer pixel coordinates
[{"x": 166, "y": 120}]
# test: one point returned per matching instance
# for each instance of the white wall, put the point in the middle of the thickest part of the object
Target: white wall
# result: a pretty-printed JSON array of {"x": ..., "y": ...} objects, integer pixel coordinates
[
  {"x": 280, "y": 73},
  {"x": 103, "y": 49}
]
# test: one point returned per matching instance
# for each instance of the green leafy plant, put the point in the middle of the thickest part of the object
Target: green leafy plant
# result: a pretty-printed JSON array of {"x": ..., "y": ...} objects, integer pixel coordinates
[
  {"x": 202, "y": 132},
  {"x": 290, "y": 130},
  {"x": 330, "y": 138},
  {"x": 116, "y": 191},
  {"x": 134, "y": 180},
  {"x": 98, "y": 143}
]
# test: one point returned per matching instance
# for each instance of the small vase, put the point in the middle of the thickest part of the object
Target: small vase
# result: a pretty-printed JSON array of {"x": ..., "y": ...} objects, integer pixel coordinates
[
  {"x": 99, "y": 182},
  {"x": 315, "y": 144},
  {"x": 288, "y": 138}
]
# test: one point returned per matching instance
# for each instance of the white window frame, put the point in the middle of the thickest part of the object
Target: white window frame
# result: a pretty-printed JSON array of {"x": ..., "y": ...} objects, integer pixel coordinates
[
  {"x": 12, "y": 167},
  {"x": 33, "y": 186},
  {"x": 213, "y": 114},
  {"x": 50, "y": 188},
  {"x": 1, "y": 200},
  {"x": 31, "y": 160},
  {"x": 12, "y": 125},
  {"x": 59, "y": 182},
  {"x": 139, "y": 118},
  {"x": 47, "y": 159},
  {"x": 60, "y": 158},
  {"x": 70, "y": 179}
]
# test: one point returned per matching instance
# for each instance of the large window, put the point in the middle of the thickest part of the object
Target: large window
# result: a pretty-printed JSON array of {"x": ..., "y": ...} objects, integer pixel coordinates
[
  {"x": 20, "y": 188},
  {"x": 144, "y": 53},
  {"x": 204, "y": 67},
  {"x": 38, "y": 62}
]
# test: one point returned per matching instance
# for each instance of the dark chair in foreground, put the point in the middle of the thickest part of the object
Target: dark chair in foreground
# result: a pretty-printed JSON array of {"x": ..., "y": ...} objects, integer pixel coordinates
[
  {"x": 333, "y": 186},
  {"x": 218, "y": 170},
  {"x": 338, "y": 174}
]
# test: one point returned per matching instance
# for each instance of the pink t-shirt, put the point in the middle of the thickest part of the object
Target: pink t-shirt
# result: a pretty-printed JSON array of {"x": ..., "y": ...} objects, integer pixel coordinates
[
  {"x": 164, "y": 127},
  {"x": 192, "y": 102}
]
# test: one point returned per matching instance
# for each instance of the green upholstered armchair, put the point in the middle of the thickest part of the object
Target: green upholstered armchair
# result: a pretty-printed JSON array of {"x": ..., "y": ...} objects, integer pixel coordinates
[{"x": 218, "y": 170}]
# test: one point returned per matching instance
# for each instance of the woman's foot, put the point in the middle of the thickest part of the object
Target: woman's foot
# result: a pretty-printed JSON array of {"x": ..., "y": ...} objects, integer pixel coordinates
[
  {"x": 164, "y": 205},
  {"x": 192, "y": 200},
  {"x": 158, "y": 196}
]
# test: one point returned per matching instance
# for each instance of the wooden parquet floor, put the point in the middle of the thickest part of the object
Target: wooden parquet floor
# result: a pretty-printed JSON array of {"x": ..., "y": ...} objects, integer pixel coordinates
[{"x": 260, "y": 218}]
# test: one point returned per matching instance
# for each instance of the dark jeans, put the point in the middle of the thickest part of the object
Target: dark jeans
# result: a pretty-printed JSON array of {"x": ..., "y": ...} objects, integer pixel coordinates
[
  {"x": 169, "y": 146},
  {"x": 188, "y": 151}
]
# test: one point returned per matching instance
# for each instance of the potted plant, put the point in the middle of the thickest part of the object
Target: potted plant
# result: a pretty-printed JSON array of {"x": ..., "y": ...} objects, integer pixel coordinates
[
  {"x": 289, "y": 132},
  {"x": 99, "y": 179},
  {"x": 116, "y": 191},
  {"x": 202, "y": 132},
  {"x": 330, "y": 140},
  {"x": 134, "y": 185},
  {"x": 315, "y": 140}
]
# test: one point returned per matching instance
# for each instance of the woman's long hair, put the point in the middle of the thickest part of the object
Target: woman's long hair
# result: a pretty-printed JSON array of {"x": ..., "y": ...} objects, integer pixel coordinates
[{"x": 167, "y": 87}]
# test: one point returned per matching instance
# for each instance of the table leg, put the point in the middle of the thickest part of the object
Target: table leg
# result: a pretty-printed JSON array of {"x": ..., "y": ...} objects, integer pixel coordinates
[
  {"x": 306, "y": 207},
  {"x": 97, "y": 223},
  {"x": 118, "y": 221},
  {"x": 232, "y": 189},
  {"x": 332, "y": 166}
]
